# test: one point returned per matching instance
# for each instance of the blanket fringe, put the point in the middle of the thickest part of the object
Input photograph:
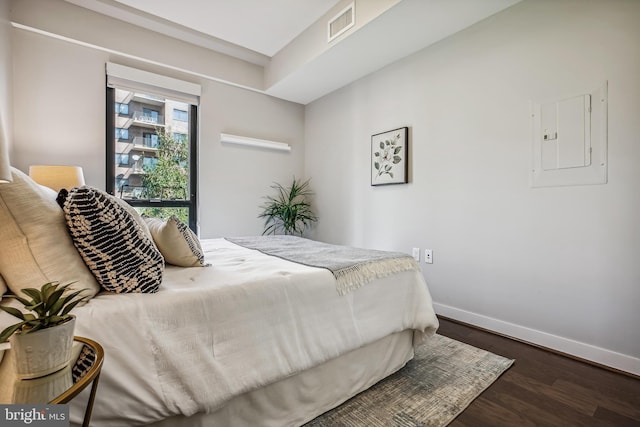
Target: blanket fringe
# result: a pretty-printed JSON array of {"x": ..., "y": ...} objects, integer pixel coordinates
[{"x": 353, "y": 277}]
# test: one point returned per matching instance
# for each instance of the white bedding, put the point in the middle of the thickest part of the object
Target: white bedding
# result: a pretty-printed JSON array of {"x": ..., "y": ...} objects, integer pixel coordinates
[{"x": 212, "y": 333}]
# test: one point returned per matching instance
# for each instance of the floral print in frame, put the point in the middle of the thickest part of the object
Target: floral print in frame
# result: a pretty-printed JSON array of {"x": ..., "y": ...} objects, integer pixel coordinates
[{"x": 389, "y": 157}]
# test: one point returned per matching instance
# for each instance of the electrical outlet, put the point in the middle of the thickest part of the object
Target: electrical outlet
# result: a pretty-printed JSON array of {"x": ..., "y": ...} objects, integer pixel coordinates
[
  {"x": 416, "y": 254},
  {"x": 428, "y": 256}
]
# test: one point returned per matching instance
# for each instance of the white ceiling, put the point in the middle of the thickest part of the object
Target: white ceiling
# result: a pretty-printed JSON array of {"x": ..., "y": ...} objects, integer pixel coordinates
[
  {"x": 261, "y": 27},
  {"x": 255, "y": 30},
  {"x": 419, "y": 23},
  {"x": 265, "y": 26}
]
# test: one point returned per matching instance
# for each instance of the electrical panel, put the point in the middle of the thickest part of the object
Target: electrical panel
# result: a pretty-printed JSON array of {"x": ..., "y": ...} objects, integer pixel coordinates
[{"x": 570, "y": 140}]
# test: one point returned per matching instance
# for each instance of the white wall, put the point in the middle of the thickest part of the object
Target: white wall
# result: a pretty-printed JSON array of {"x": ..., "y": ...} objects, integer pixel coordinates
[
  {"x": 6, "y": 121},
  {"x": 558, "y": 266},
  {"x": 65, "y": 19},
  {"x": 234, "y": 179},
  {"x": 59, "y": 118}
]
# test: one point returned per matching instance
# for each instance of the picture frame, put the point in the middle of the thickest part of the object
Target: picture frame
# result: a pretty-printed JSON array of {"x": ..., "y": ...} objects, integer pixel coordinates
[{"x": 390, "y": 157}]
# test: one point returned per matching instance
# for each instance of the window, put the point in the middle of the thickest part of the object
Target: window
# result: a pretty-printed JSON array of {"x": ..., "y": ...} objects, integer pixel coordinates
[
  {"x": 150, "y": 140},
  {"x": 149, "y": 163},
  {"x": 122, "y": 108},
  {"x": 121, "y": 181},
  {"x": 182, "y": 137},
  {"x": 122, "y": 159},
  {"x": 150, "y": 116},
  {"x": 160, "y": 178},
  {"x": 157, "y": 175},
  {"x": 122, "y": 133},
  {"x": 180, "y": 115}
]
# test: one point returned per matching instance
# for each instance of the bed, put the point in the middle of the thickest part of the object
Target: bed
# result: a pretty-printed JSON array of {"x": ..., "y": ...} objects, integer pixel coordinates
[{"x": 246, "y": 338}]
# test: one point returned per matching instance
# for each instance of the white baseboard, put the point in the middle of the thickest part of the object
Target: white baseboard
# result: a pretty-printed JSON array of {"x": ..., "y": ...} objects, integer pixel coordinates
[{"x": 589, "y": 352}]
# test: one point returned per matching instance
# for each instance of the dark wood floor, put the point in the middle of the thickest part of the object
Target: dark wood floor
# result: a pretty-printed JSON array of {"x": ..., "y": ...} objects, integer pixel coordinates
[{"x": 546, "y": 389}]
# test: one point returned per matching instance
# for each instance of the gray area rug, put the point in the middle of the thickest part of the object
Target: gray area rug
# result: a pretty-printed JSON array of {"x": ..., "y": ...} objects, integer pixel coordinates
[{"x": 443, "y": 378}]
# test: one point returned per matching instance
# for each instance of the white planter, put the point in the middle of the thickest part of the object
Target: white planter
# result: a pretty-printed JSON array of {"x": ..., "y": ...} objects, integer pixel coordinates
[{"x": 43, "y": 352}]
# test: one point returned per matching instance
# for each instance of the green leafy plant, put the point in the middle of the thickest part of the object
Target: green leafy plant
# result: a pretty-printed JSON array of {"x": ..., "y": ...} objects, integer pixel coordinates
[
  {"x": 289, "y": 212},
  {"x": 168, "y": 179},
  {"x": 48, "y": 304}
]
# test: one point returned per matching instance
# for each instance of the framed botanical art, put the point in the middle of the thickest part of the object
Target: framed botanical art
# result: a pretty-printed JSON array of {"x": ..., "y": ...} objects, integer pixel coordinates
[{"x": 390, "y": 157}]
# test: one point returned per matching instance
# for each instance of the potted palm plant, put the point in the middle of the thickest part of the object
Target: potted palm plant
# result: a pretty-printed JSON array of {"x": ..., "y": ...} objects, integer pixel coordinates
[
  {"x": 290, "y": 211},
  {"x": 42, "y": 339}
]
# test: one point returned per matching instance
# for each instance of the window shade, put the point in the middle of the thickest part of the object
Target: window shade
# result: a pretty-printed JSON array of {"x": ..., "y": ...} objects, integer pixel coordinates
[{"x": 144, "y": 81}]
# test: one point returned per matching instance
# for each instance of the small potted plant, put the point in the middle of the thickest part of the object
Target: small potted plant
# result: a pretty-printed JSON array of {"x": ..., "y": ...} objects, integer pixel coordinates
[
  {"x": 42, "y": 339},
  {"x": 290, "y": 212}
]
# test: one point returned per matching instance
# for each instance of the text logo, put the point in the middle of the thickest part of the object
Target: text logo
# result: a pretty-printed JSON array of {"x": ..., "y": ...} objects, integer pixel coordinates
[{"x": 34, "y": 415}]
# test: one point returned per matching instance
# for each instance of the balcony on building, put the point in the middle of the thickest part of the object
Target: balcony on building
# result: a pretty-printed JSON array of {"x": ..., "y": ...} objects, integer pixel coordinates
[
  {"x": 145, "y": 144},
  {"x": 144, "y": 98},
  {"x": 148, "y": 120}
]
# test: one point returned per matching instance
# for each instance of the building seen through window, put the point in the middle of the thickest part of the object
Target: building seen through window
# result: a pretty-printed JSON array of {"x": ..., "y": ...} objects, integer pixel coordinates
[{"x": 152, "y": 150}]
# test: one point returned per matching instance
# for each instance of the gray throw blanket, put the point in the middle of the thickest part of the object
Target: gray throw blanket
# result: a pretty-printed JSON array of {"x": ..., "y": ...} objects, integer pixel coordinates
[{"x": 352, "y": 267}]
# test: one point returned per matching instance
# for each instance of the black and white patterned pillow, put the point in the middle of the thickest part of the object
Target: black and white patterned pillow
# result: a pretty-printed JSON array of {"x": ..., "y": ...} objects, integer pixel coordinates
[
  {"x": 111, "y": 242},
  {"x": 83, "y": 364}
]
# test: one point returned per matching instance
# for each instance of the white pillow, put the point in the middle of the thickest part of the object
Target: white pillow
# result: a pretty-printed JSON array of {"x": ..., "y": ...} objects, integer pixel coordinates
[
  {"x": 35, "y": 247},
  {"x": 177, "y": 243}
]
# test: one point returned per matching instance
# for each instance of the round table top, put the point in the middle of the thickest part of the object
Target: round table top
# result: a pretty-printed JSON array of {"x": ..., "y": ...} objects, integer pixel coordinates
[{"x": 58, "y": 387}]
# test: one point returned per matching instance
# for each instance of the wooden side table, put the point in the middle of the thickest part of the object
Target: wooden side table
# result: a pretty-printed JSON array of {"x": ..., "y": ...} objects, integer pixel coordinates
[{"x": 59, "y": 387}]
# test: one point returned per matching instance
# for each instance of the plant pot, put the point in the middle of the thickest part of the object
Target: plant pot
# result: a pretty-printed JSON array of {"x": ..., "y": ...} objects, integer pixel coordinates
[{"x": 45, "y": 351}]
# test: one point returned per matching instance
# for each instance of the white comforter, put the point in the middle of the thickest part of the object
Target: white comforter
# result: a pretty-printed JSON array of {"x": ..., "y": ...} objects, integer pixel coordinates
[{"x": 247, "y": 320}]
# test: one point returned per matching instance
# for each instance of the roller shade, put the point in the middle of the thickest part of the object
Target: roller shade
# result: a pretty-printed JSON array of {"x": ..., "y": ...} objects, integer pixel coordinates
[{"x": 143, "y": 81}]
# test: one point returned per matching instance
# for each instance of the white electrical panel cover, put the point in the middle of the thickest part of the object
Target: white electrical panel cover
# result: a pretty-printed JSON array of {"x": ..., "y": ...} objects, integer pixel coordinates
[{"x": 570, "y": 140}]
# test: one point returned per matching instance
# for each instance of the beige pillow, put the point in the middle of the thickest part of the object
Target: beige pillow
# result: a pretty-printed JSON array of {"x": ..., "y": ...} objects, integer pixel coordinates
[
  {"x": 3, "y": 286},
  {"x": 135, "y": 215},
  {"x": 35, "y": 247},
  {"x": 176, "y": 242}
]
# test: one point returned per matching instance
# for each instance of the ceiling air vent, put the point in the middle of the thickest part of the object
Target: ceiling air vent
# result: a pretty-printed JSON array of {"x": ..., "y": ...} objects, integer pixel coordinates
[{"x": 341, "y": 22}]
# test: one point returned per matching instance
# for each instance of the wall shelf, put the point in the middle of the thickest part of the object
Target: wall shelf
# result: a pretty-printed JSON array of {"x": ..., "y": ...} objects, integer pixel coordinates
[{"x": 254, "y": 142}]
